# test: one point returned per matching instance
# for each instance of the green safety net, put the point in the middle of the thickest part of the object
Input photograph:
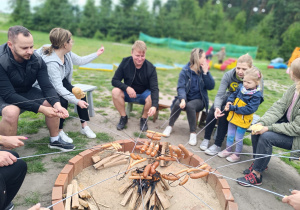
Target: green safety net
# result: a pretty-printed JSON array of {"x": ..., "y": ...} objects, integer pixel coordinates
[{"x": 231, "y": 49}]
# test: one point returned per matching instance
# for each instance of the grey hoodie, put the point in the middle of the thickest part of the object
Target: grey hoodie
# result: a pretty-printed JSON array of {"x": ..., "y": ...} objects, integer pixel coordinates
[{"x": 56, "y": 71}]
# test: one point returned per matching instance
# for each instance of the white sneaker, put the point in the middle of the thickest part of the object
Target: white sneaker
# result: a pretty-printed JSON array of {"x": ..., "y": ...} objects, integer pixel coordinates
[
  {"x": 213, "y": 150},
  {"x": 168, "y": 131},
  {"x": 65, "y": 137},
  {"x": 88, "y": 132},
  {"x": 193, "y": 139},
  {"x": 204, "y": 144}
]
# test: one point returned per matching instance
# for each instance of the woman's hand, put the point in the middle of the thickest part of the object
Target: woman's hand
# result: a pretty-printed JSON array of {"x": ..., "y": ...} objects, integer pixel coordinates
[
  {"x": 38, "y": 207},
  {"x": 100, "y": 51},
  {"x": 204, "y": 67},
  {"x": 263, "y": 130},
  {"x": 82, "y": 104},
  {"x": 182, "y": 104},
  {"x": 218, "y": 113}
]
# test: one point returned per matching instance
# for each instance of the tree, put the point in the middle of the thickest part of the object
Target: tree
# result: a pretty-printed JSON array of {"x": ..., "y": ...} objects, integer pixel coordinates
[
  {"x": 89, "y": 21},
  {"x": 21, "y": 12},
  {"x": 290, "y": 40},
  {"x": 105, "y": 16}
]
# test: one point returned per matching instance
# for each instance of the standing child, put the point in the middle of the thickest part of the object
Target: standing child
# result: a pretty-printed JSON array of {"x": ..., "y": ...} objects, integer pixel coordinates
[
  {"x": 221, "y": 55},
  {"x": 242, "y": 104}
]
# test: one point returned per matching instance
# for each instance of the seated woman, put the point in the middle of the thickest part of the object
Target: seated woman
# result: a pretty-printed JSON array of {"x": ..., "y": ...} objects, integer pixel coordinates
[
  {"x": 60, "y": 60},
  {"x": 280, "y": 127},
  {"x": 193, "y": 83}
]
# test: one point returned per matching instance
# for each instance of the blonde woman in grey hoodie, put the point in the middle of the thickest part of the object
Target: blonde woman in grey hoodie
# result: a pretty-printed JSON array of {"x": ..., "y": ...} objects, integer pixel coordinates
[{"x": 60, "y": 59}]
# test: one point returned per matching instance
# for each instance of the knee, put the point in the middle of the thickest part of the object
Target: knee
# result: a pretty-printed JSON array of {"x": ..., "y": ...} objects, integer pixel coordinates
[
  {"x": 189, "y": 107},
  {"x": 148, "y": 100},
  {"x": 117, "y": 92},
  {"x": 11, "y": 114}
]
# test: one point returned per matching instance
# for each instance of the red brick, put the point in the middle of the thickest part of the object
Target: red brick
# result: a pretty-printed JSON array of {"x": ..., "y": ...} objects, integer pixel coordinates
[
  {"x": 222, "y": 184},
  {"x": 77, "y": 161},
  {"x": 68, "y": 169},
  {"x": 213, "y": 177},
  {"x": 224, "y": 197},
  {"x": 232, "y": 206},
  {"x": 59, "y": 206},
  {"x": 87, "y": 157},
  {"x": 187, "y": 161},
  {"x": 62, "y": 181},
  {"x": 196, "y": 161},
  {"x": 57, "y": 193}
]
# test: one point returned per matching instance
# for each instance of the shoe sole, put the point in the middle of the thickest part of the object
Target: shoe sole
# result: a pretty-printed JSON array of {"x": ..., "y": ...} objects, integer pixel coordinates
[
  {"x": 86, "y": 136},
  {"x": 211, "y": 154},
  {"x": 192, "y": 144},
  {"x": 249, "y": 185},
  {"x": 62, "y": 149},
  {"x": 203, "y": 148}
]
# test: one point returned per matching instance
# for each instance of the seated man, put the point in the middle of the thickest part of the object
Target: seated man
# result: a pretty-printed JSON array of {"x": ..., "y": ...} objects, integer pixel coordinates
[
  {"x": 19, "y": 69},
  {"x": 140, "y": 85}
]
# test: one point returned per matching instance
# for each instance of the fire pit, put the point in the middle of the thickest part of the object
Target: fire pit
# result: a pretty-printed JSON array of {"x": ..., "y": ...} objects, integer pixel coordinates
[{"x": 134, "y": 190}]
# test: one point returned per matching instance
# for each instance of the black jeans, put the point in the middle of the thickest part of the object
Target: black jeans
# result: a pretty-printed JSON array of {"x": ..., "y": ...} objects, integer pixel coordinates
[
  {"x": 222, "y": 126},
  {"x": 191, "y": 108},
  {"x": 82, "y": 113},
  {"x": 11, "y": 179},
  {"x": 263, "y": 144}
]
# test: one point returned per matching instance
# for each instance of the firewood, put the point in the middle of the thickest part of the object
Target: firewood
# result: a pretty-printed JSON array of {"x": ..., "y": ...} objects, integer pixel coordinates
[
  {"x": 140, "y": 177},
  {"x": 103, "y": 154},
  {"x": 75, "y": 202},
  {"x": 87, "y": 194},
  {"x": 146, "y": 199},
  {"x": 165, "y": 145},
  {"x": 152, "y": 203},
  {"x": 83, "y": 203},
  {"x": 125, "y": 186},
  {"x": 139, "y": 200},
  {"x": 105, "y": 160},
  {"x": 165, "y": 185},
  {"x": 162, "y": 197},
  {"x": 69, "y": 193},
  {"x": 92, "y": 206},
  {"x": 82, "y": 194},
  {"x": 81, "y": 207},
  {"x": 134, "y": 198},
  {"x": 120, "y": 162},
  {"x": 96, "y": 158},
  {"x": 127, "y": 197}
]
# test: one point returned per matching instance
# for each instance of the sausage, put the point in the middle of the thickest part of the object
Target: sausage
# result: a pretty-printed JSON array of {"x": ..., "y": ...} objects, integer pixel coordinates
[
  {"x": 146, "y": 170},
  {"x": 152, "y": 170},
  {"x": 133, "y": 156},
  {"x": 186, "y": 178},
  {"x": 154, "y": 152},
  {"x": 134, "y": 173},
  {"x": 139, "y": 177},
  {"x": 148, "y": 152},
  {"x": 171, "y": 151},
  {"x": 201, "y": 168},
  {"x": 182, "y": 171},
  {"x": 155, "y": 164},
  {"x": 178, "y": 152},
  {"x": 170, "y": 177},
  {"x": 129, "y": 166},
  {"x": 145, "y": 147},
  {"x": 201, "y": 173},
  {"x": 160, "y": 134},
  {"x": 153, "y": 137},
  {"x": 184, "y": 150},
  {"x": 166, "y": 158},
  {"x": 137, "y": 162},
  {"x": 139, "y": 157}
]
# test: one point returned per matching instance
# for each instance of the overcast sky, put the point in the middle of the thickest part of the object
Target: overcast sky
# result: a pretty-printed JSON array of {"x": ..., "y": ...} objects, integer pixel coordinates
[{"x": 4, "y": 5}]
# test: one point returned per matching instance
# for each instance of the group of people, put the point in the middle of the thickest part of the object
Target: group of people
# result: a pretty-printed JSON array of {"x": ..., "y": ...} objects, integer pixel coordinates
[{"x": 40, "y": 81}]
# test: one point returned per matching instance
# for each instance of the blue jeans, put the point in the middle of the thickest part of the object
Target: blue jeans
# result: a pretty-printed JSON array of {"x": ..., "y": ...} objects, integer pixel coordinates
[
  {"x": 140, "y": 98},
  {"x": 262, "y": 144},
  {"x": 238, "y": 133}
]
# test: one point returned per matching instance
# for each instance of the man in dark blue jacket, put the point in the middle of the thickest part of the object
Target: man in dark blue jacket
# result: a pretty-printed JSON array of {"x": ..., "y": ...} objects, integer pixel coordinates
[
  {"x": 19, "y": 69},
  {"x": 140, "y": 85}
]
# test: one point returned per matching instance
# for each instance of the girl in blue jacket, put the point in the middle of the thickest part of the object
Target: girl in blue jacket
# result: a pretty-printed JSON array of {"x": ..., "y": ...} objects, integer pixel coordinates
[
  {"x": 193, "y": 83},
  {"x": 242, "y": 104}
]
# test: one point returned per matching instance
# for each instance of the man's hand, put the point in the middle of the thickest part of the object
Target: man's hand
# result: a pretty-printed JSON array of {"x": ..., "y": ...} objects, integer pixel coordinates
[
  {"x": 151, "y": 111},
  {"x": 100, "y": 51},
  {"x": 182, "y": 104},
  {"x": 11, "y": 142},
  {"x": 48, "y": 111},
  {"x": 293, "y": 200},
  {"x": 204, "y": 67},
  {"x": 62, "y": 112},
  {"x": 131, "y": 92},
  {"x": 38, "y": 207},
  {"x": 6, "y": 158},
  {"x": 82, "y": 104},
  {"x": 218, "y": 113}
]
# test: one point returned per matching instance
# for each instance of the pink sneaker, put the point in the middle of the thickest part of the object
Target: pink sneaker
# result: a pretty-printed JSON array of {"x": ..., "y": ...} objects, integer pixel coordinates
[
  {"x": 224, "y": 153},
  {"x": 233, "y": 158}
]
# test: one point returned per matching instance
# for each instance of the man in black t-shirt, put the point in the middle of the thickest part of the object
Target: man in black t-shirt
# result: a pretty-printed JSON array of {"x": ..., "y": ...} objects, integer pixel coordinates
[{"x": 140, "y": 85}]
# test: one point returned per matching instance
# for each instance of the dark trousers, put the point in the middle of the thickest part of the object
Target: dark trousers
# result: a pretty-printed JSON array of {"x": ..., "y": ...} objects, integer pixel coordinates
[
  {"x": 222, "y": 126},
  {"x": 263, "y": 144},
  {"x": 191, "y": 108},
  {"x": 11, "y": 179},
  {"x": 82, "y": 113}
]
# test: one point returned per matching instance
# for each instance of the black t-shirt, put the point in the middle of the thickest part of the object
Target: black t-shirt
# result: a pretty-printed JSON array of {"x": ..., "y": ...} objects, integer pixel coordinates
[{"x": 137, "y": 83}]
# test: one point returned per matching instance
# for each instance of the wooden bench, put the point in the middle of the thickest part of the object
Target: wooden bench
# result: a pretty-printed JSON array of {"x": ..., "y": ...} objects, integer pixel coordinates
[{"x": 89, "y": 92}]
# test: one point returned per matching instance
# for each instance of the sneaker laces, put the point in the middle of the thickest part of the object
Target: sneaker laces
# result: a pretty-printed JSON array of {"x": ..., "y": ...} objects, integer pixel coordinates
[{"x": 251, "y": 178}]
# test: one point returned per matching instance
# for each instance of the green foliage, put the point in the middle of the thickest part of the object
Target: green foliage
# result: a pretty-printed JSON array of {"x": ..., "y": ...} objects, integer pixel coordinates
[
  {"x": 290, "y": 40},
  {"x": 89, "y": 21}
]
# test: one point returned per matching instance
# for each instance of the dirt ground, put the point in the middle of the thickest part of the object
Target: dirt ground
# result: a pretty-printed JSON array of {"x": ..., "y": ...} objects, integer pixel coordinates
[{"x": 279, "y": 178}]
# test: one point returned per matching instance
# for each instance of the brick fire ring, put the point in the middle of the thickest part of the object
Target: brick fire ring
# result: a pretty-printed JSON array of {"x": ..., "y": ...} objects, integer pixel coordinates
[{"x": 84, "y": 159}]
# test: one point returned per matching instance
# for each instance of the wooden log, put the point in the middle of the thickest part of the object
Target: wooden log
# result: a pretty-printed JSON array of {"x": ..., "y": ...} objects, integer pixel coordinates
[
  {"x": 105, "y": 160},
  {"x": 165, "y": 145},
  {"x": 87, "y": 194},
  {"x": 69, "y": 193},
  {"x": 106, "y": 153},
  {"x": 125, "y": 186},
  {"x": 146, "y": 199},
  {"x": 120, "y": 162},
  {"x": 92, "y": 206},
  {"x": 96, "y": 158},
  {"x": 83, "y": 203},
  {"x": 139, "y": 200},
  {"x": 152, "y": 203},
  {"x": 165, "y": 185},
  {"x": 81, "y": 194},
  {"x": 162, "y": 197},
  {"x": 75, "y": 202},
  {"x": 127, "y": 197},
  {"x": 140, "y": 177},
  {"x": 81, "y": 207},
  {"x": 134, "y": 198}
]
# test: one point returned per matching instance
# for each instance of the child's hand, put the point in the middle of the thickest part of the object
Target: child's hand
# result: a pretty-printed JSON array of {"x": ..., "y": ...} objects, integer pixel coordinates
[{"x": 227, "y": 106}]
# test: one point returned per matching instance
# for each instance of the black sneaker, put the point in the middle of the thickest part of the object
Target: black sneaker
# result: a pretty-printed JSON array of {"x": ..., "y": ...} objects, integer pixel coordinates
[
  {"x": 122, "y": 123},
  {"x": 250, "y": 169},
  {"x": 10, "y": 206},
  {"x": 249, "y": 179},
  {"x": 143, "y": 124},
  {"x": 61, "y": 144}
]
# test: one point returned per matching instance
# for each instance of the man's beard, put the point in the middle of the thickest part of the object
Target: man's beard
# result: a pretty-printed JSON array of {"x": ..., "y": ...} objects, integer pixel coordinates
[{"x": 20, "y": 56}]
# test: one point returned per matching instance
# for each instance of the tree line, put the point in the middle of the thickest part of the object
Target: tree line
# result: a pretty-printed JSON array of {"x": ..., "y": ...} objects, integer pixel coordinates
[{"x": 272, "y": 25}]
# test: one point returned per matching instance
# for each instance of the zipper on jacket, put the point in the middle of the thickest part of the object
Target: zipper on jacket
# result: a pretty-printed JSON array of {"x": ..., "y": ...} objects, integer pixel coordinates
[
  {"x": 233, "y": 111},
  {"x": 133, "y": 76}
]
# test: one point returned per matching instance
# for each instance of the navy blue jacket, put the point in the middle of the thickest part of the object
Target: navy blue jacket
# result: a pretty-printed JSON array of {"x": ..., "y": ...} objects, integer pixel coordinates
[{"x": 206, "y": 82}]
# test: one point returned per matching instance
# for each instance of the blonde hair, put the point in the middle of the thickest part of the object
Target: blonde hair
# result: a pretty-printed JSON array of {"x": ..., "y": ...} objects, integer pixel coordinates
[
  {"x": 194, "y": 58},
  {"x": 139, "y": 45},
  {"x": 245, "y": 59},
  {"x": 295, "y": 69},
  {"x": 255, "y": 73},
  {"x": 58, "y": 37}
]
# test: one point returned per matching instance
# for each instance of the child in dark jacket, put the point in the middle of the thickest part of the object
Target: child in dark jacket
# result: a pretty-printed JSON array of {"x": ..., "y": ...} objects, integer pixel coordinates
[{"x": 242, "y": 104}]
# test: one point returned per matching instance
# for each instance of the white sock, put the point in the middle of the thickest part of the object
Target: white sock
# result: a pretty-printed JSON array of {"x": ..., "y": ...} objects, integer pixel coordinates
[{"x": 53, "y": 139}]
